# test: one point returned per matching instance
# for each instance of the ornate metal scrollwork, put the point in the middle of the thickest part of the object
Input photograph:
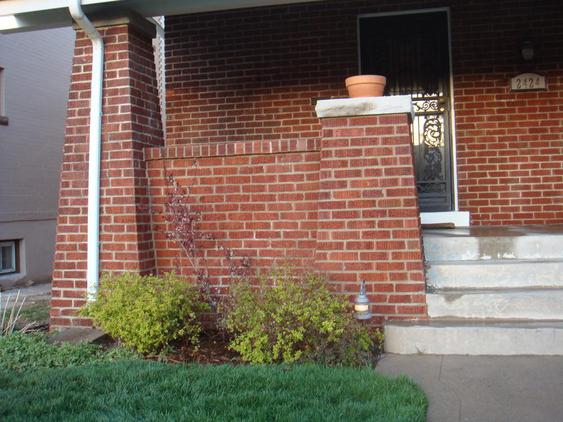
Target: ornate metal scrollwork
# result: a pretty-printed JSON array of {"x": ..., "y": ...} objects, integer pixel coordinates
[
  {"x": 422, "y": 105},
  {"x": 429, "y": 111},
  {"x": 432, "y": 138},
  {"x": 428, "y": 187}
]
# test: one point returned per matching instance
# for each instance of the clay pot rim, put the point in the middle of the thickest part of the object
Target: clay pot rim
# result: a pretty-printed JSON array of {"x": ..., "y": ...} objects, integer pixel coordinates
[{"x": 378, "y": 79}]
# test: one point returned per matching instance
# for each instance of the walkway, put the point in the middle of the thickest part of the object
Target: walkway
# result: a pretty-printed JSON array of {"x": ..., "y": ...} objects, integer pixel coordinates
[
  {"x": 485, "y": 388},
  {"x": 32, "y": 294}
]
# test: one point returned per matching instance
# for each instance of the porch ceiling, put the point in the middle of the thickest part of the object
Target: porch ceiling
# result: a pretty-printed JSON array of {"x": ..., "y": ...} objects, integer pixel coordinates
[{"x": 27, "y": 15}]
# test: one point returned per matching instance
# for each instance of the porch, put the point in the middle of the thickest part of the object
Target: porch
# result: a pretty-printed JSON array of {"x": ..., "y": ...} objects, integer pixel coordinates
[
  {"x": 338, "y": 193},
  {"x": 279, "y": 180}
]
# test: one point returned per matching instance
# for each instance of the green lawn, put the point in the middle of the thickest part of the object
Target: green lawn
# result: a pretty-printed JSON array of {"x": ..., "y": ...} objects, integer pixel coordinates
[
  {"x": 36, "y": 312},
  {"x": 141, "y": 390}
]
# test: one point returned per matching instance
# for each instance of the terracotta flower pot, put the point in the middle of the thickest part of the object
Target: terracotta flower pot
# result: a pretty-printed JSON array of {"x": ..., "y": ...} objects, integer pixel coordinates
[{"x": 365, "y": 85}]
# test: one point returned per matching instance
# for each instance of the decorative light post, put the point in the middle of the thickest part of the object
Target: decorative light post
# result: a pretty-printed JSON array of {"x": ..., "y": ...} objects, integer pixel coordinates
[{"x": 361, "y": 304}]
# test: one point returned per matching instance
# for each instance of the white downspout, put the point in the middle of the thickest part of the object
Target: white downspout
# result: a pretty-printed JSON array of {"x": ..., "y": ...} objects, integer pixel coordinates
[{"x": 93, "y": 257}]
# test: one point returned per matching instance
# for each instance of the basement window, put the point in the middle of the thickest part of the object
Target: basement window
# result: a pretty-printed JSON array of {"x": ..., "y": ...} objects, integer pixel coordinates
[{"x": 8, "y": 259}]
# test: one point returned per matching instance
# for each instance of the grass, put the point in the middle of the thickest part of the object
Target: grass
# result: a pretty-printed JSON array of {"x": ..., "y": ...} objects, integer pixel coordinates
[
  {"x": 40, "y": 381},
  {"x": 36, "y": 312},
  {"x": 28, "y": 352},
  {"x": 150, "y": 391}
]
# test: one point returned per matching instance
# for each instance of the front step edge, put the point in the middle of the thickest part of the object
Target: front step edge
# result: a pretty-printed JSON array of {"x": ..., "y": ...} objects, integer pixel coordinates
[
  {"x": 471, "y": 338},
  {"x": 520, "y": 304}
]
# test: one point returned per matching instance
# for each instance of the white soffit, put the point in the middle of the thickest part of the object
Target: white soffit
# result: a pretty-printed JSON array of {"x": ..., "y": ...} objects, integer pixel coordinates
[{"x": 26, "y": 15}]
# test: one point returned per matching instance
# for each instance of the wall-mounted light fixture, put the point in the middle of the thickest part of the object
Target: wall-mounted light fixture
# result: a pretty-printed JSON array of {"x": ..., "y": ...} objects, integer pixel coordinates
[
  {"x": 361, "y": 304},
  {"x": 527, "y": 50}
]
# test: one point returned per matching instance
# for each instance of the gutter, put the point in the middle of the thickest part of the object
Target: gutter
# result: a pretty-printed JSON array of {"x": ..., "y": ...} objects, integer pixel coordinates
[{"x": 95, "y": 140}]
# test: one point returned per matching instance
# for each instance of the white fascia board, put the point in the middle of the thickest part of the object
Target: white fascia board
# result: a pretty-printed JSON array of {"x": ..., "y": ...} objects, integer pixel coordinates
[
  {"x": 15, "y": 7},
  {"x": 28, "y": 15}
]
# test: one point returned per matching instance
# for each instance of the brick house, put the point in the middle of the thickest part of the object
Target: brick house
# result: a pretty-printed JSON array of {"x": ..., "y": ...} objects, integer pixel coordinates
[{"x": 469, "y": 135}]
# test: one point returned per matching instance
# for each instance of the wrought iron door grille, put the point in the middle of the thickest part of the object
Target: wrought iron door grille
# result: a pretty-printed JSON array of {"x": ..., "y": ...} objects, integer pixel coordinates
[{"x": 430, "y": 149}]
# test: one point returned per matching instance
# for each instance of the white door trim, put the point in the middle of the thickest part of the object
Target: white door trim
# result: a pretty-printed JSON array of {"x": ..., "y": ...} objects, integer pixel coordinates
[{"x": 458, "y": 218}]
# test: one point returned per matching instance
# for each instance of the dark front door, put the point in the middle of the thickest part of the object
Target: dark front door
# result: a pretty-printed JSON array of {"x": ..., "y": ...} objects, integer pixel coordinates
[{"x": 412, "y": 51}]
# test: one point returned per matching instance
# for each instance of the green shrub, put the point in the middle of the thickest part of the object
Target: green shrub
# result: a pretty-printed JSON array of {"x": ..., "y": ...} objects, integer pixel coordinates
[
  {"x": 288, "y": 318},
  {"x": 31, "y": 351},
  {"x": 147, "y": 312}
]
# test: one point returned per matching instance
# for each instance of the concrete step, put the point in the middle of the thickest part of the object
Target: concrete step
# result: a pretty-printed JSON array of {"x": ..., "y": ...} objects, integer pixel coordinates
[
  {"x": 518, "y": 304},
  {"x": 474, "y": 338},
  {"x": 78, "y": 335},
  {"x": 494, "y": 274},
  {"x": 485, "y": 243}
]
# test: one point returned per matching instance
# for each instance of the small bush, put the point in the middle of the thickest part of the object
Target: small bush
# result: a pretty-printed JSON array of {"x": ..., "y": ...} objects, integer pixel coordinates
[
  {"x": 31, "y": 351},
  {"x": 147, "y": 312},
  {"x": 289, "y": 318}
]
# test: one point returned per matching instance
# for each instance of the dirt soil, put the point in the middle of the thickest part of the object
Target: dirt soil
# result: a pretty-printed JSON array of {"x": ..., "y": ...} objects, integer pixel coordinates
[
  {"x": 213, "y": 349},
  {"x": 34, "y": 315}
]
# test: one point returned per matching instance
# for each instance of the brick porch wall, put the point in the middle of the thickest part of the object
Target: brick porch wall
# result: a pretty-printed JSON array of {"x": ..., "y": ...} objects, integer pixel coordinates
[
  {"x": 251, "y": 74},
  {"x": 131, "y": 122},
  {"x": 344, "y": 205}
]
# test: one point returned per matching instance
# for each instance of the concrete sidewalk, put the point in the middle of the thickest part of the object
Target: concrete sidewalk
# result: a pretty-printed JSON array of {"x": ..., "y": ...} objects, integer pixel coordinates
[
  {"x": 32, "y": 294},
  {"x": 485, "y": 388}
]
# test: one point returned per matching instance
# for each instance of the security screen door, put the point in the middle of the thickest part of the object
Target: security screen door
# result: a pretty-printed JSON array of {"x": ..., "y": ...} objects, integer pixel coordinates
[{"x": 412, "y": 51}]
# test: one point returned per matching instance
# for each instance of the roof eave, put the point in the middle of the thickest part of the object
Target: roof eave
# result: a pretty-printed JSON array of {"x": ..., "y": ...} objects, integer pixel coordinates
[{"x": 27, "y": 15}]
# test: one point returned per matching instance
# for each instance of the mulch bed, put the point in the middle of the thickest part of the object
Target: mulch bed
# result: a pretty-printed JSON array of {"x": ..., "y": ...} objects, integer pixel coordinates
[{"x": 212, "y": 349}]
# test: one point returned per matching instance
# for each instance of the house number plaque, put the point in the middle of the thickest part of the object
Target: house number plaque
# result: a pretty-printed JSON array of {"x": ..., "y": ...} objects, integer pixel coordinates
[{"x": 527, "y": 82}]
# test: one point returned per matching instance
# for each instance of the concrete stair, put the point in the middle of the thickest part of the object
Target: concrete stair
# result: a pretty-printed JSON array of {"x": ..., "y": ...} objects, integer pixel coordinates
[
  {"x": 481, "y": 337},
  {"x": 516, "y": 304},
  {"x": 495, "y": 274},
  {"x": 490, "y": 291},
  {"x": 487, "y": 243}
]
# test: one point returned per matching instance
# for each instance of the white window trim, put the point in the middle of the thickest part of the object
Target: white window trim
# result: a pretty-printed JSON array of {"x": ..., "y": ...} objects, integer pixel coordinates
[{"x": 3, "y": 116}]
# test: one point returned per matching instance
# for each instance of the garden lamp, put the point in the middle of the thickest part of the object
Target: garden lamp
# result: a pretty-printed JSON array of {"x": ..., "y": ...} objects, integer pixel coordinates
[{"x": 361, "y": 304}]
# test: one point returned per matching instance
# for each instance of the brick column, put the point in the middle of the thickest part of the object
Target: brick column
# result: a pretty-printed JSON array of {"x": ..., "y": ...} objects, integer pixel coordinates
[
  {"x": 369, "y": 225},
  {"x": 131, "y": 121}
]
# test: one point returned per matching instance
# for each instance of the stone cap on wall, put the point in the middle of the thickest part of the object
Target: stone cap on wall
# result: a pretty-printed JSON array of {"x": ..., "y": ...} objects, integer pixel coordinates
[{"x": 364, "y": 106}]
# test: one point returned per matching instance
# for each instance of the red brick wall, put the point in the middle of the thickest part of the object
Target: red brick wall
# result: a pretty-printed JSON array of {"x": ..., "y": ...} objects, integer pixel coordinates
[
  {"x": 131, "y": 122},
  {"x": 344, "y": 205},
  {"x": 251, "y": 75},
  {"x": 262, "y": 206},
  {"x": 510, "y": 145},
  {"x": 368, "y": 222}
]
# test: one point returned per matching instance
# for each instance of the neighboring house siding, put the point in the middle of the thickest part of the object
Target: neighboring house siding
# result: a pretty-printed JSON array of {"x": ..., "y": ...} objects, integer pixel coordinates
[
  {"x": 37, "y": 68},
  {"x": 252, "y": 74}
]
